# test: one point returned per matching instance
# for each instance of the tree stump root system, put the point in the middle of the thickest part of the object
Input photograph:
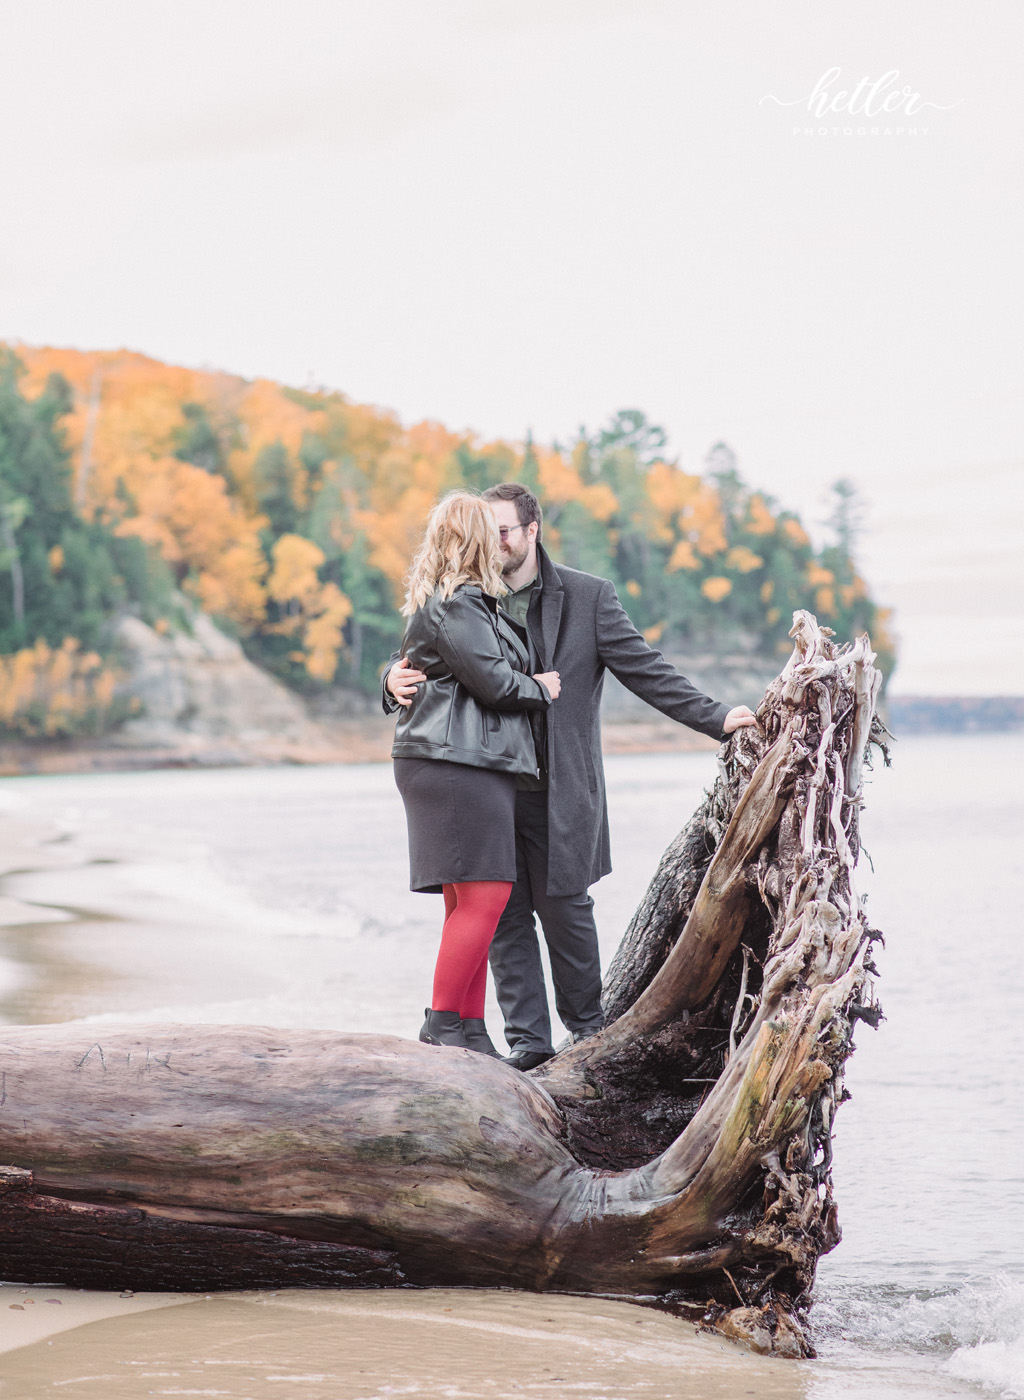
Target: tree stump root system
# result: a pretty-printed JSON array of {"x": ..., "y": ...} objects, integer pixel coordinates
[{"x": 680, "y": 1158}]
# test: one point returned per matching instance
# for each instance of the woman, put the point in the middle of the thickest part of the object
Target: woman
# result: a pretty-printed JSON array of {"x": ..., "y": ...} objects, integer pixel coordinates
[{"x": 457, "y": 751}]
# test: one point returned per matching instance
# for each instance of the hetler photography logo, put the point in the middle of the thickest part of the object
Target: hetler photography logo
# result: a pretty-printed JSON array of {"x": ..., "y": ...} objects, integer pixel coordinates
[{"x": 874, "y": 107}]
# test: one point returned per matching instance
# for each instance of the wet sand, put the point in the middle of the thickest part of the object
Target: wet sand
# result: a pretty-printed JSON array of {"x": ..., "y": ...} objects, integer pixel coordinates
[{"x": 331, "y": 1345}]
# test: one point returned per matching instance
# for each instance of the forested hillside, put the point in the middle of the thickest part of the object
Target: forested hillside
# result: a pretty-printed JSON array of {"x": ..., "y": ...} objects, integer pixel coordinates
[{"x": 290, "y": 517}]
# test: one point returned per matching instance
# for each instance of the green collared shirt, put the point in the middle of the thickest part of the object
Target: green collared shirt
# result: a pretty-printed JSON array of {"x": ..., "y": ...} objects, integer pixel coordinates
[{"x": 517, "y": 606}]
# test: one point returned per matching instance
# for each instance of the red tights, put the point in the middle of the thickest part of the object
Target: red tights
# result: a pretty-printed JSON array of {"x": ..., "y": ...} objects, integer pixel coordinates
[{"x": 471, "y": 914}]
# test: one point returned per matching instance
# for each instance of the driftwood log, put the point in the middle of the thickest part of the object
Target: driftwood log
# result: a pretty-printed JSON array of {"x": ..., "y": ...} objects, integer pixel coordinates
[{"x": 681, "y": 1156}]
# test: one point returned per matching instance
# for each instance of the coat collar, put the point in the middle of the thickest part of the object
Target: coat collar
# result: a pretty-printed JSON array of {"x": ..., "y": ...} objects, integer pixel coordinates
[{"x": 551, "y": 596}]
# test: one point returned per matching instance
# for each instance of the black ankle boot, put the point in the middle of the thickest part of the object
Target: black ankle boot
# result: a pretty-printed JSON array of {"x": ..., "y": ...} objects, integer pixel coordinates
[
  {"x": 477, "y": 1039},
  {"x": 443, "y": 1028}
]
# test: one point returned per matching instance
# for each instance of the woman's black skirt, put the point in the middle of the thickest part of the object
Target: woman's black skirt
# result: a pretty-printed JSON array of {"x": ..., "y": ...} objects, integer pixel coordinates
[{"x": 462, "y": 822}]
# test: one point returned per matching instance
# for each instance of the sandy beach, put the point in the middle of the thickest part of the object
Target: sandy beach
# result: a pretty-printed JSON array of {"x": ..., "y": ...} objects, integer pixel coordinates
[{"x": 332, "y": 1345}]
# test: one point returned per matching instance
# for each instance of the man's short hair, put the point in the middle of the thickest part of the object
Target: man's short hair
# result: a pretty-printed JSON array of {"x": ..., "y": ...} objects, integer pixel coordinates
[{"x": 526, "y": 503}]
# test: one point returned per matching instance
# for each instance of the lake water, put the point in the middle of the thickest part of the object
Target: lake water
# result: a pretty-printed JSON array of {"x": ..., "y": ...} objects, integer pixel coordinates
[{"x": 279, "y": 897}]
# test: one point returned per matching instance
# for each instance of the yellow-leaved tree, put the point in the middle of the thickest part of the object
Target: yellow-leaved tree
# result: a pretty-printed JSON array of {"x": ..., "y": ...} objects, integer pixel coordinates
[{"x": 312, "y": 612}]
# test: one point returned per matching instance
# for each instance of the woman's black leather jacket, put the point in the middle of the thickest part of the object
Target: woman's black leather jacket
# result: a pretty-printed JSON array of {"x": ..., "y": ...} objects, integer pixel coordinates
[{"x": 473, "y": 707}]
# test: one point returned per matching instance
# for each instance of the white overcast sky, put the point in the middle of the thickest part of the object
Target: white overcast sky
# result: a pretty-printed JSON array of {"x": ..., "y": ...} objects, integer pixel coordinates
[{"x": 526, "y": 214}]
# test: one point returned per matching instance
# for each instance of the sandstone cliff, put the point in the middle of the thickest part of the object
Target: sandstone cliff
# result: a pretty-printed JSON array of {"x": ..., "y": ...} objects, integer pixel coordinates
[{"x": 201, "y": 697}]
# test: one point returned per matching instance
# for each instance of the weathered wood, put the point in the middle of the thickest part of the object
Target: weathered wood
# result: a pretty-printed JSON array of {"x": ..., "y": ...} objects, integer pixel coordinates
[
  {"x": 47, "y": 1238},
  {"x": 683, "y": 1153},
  {"x": 664, "y": 909}
]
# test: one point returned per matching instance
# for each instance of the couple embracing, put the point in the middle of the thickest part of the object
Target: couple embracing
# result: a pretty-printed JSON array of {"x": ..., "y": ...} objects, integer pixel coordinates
[{"x": 497, "y": 756}]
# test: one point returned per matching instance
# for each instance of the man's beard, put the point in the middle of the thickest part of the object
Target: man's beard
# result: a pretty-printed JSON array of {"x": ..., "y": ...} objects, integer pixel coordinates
[{"x": 513, "y": 558}]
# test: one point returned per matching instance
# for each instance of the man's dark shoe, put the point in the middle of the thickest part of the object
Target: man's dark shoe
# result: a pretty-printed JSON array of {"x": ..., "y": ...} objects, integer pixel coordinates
[
  {"x": 585, "y": 1033},
  {"x": 475, "y": 1031},
  {"x": 529, "y": 1059},
  {"x": 443, "y": 1028}
]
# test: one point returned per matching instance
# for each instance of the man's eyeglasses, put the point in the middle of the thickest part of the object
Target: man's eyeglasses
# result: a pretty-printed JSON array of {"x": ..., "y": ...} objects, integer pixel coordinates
[{"x": 505, "y": 530}]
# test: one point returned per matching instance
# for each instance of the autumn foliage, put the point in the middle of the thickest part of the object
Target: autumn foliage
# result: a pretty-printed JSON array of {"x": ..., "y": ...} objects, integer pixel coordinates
[
  {"x": 291, "y": 516},
  {"x": 58, "y": 691}
]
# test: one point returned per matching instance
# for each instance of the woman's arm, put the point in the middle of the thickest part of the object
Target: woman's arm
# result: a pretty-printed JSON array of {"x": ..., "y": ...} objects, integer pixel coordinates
[{"x": 468, "y": 643}]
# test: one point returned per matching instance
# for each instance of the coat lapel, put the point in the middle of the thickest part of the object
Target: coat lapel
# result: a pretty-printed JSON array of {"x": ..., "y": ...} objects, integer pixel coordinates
[
  {"x": 551, "y": 595},
  {"x": 509, "y": 631}
]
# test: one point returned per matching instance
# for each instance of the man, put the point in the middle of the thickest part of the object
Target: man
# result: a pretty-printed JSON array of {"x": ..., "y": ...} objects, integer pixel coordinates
[{"x": 576, "y": 626}]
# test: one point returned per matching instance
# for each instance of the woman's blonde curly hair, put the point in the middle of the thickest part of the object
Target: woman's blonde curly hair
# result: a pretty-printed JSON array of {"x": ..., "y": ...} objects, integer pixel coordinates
[{"x": 461, "y": 545}]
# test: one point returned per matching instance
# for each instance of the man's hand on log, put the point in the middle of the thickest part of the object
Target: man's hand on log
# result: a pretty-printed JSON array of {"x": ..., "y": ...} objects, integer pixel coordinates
[
  {"x": 402, "y": 681},
  {"x": 740, "y": 717}
]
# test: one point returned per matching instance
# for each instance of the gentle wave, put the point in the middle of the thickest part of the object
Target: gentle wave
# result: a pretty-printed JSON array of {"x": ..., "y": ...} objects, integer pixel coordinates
[{"x": 975, "y": 1331}]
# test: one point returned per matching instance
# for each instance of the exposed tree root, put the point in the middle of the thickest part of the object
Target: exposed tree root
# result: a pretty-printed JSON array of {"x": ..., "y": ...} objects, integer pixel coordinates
[{"x": 682, "y": 1155}]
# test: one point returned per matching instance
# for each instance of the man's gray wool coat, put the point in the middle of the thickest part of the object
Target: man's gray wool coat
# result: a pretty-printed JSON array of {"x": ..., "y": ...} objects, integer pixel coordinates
[{"x": 585, "y": 631}]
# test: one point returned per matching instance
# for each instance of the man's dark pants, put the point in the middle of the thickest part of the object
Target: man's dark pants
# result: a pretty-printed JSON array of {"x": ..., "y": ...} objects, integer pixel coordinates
[{"x": 570, "y": 933}]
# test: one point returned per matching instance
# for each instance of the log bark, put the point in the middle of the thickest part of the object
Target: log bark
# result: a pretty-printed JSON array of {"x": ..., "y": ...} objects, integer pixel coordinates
[{"x": 682, "y": 1155}]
